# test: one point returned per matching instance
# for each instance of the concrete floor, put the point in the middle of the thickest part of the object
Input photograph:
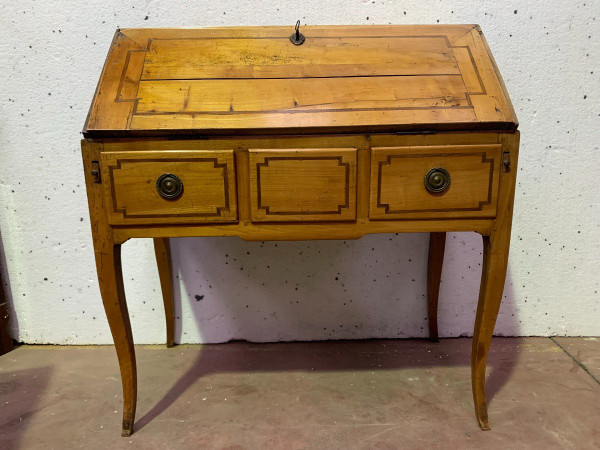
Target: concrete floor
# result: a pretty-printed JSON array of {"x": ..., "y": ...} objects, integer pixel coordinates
[{"x": 384, "y": 394}]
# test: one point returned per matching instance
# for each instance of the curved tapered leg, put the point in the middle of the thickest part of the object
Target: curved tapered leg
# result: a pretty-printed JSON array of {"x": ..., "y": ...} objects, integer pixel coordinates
[
  {"x": 437, "y": 245},
  {"x": 495, "y": 257},
  {"x": 493, "y": 275},
  {"x": 163, "y": 261},
  {"x": 110, "y": 279}
]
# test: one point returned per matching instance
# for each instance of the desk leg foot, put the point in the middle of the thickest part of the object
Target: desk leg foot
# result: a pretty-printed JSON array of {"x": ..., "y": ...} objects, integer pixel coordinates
[
  {"x": 110, "y": 277},
  {"x": 437, "y": 245},
  {"x": 163, "y": 261},
  {"x": 127, "y": 429},
  {"x": 495, "y": 259}
]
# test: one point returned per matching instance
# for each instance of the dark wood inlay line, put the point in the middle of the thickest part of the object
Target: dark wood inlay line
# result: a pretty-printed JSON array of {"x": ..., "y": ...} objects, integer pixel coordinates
[
  {"x": 265, "y": 163},
  {"x": 216, "y": 165},
  {"x": 388, "y": 161},
  {"x": 133, "y": 111},
  {"x": 119, "y": 97},
  {"x": 286, "y": 37},
  {"x": 304, "y": 77},
  {"x": 294, "y": 111}
]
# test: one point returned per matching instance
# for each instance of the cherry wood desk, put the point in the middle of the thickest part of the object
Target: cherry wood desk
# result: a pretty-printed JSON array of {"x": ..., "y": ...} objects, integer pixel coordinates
[{"x": 267, "y": 133}]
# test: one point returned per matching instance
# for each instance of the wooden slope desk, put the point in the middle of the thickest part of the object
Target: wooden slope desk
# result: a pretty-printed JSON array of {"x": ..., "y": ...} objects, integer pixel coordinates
[{"x": 250, "y": 132}]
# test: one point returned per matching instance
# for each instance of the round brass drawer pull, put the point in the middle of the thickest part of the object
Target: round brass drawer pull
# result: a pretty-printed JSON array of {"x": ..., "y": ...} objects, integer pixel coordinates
[
  {"x": 169, "y": 186},
  {"x": 437, "y": 180}
]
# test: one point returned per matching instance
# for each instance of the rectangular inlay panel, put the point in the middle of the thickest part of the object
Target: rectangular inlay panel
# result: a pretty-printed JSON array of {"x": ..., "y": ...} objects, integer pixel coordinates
[
  {"x": 208, "y": 178},
  {"x": 340, "y": 79},
  {"x": 303, "y": 184},
  {"x": 398, "y": 181}
]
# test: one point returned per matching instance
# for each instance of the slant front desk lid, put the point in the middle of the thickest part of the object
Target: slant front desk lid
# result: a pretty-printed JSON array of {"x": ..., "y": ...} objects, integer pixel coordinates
[{"x": 341, "y": 79}]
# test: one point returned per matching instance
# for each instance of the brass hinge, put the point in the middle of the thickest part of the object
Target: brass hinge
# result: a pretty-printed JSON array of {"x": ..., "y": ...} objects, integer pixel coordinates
[
  {"x": 506, "y": 161},
  {"x": 96, "y": 171}
]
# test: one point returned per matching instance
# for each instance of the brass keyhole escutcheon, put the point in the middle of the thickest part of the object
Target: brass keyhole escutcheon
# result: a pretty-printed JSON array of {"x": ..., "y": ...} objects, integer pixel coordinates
[
  {"x": 169, "y": 186},
  {"x": 437, "y": 180}
]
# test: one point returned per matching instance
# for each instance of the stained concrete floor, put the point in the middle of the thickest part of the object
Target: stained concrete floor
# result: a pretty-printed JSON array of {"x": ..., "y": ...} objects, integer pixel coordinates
[{"x": 384, "y": 394}]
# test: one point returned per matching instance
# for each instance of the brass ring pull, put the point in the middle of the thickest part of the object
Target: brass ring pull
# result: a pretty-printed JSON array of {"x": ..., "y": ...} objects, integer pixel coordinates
[
  {"x": 437, "y": 180},
  {"x": 169, "y": 186}
]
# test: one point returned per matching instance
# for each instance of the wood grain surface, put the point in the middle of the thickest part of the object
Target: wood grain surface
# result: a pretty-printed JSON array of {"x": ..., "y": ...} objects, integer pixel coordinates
[
  {"x": 303, "y": 185},
  {"x": 208, "y": 178},
  {"x": 398, "y": 189},
  {"x": 331, "y": 139},
  {"x": 435, "y": 263},
  {"x": 343, "y": 78}
]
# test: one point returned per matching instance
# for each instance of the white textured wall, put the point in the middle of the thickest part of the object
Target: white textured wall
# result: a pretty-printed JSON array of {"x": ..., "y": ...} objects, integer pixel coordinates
[{"x": 51, "y": 54}]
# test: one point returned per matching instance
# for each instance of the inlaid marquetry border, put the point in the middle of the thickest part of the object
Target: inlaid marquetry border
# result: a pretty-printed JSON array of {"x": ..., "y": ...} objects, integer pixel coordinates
[
  {"x": 119, "y": 98},
  {"x": 388, "y": 161},
  {"x": 444, "y": 37},
  {"x": 341, "y": 163},
  {"x": 216, "y": 165},
  {"x": 114, "y": 111},
  {"x": 119, "y": 95}
]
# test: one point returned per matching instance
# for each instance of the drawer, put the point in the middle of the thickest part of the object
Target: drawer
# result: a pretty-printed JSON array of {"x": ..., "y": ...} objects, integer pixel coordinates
[
  {"x": 398, "y": 181},
  {"x": 169, "y": 186},
  {"x": 299, "y": 185}
]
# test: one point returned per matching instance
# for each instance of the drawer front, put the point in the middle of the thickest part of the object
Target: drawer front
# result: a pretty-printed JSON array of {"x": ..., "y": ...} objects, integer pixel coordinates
[
  {"x": 207, "y": 179},
  {"x": 398, "y": 187},
  {"x": 298, "y": 185}
]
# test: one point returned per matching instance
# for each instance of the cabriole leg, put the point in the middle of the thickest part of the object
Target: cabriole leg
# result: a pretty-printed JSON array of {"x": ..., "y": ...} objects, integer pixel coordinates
[
  {"x": 493, "y": 275},
  {"x": 163, "y": 261},
  {"x": 437, "y": 245},
  {"x": 110, "y": 278},
  {"x": 495, "y": 258}
]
